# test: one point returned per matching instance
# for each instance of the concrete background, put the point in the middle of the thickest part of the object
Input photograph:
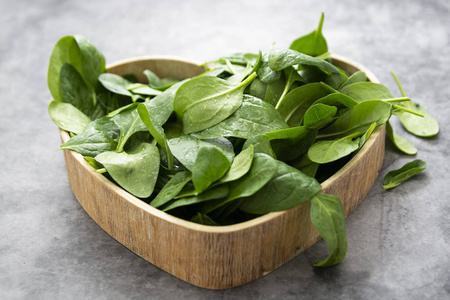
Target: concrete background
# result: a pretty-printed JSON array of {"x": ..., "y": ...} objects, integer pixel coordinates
[{"x": 399, "y": 240}]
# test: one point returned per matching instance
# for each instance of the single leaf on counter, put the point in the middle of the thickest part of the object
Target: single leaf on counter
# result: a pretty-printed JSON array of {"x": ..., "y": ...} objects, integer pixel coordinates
[{"x": 396, "y": 177}]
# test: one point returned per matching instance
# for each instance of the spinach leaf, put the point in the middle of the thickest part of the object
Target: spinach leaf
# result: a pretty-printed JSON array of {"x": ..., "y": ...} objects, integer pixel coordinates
[
  {"x": 68, "y": 117},
  {"x": 262, "y": 170},
  {"x": 92, "y": 61},
  {"x": 116, "y": 84},
  {"x": 260, "y": 144},
  {"x": 362, "y": 91},
  {"x": 288, "y": 144},
  {"x": 135, "y": 170},
  {"x": 337, "y": 99},
  {"x": 288, "y": 188},
  {"x": 204, "y": 220},
  {"x": 142, "y": 89},
  {"x": 171, "y": 188},
  {"x": 205, "y": 101},
  {"x": 240, "y": 166},
  {"x": 359, "y": 118},
  {"x": 313, "y": 44},
  {"x": 209, "y": 166},
  {"x": 258, "y": 89},
  {"x": 65, "y": 51},
  {"x": 323, "y": 152},
  {"x": 218, "y": 192},
  {"x": 396, "y": 177},
  {"x": 363, "y": 139},
  {"x": 265, "y": 73},
  {"x": 358, "y": 76},
  {"x": 254, "y": 117},
  {"x": 156, "y": 131},
  {"x": 73, "y": 90},
  {"x": 294, "y": 105},
  {"x": 327, "y": 216},
  {"x": 400, "y": 142},
  {"x": 281, "y": 59},
  {"x": 99, "y": 136},
  {"x": 128, "y": 122},
  {"x": 318, "y": 115},
  {"x": 185, "y": 148}
]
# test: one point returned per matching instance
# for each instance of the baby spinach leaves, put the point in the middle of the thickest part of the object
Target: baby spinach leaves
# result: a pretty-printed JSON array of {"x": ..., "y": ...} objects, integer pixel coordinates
[
  {"x": 244, "y": 138},
  {"x": 396, "y": 177}
]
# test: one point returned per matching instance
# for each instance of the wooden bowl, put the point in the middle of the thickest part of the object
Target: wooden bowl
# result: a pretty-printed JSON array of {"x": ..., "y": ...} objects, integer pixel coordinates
[{"x": 207, "y": 256}]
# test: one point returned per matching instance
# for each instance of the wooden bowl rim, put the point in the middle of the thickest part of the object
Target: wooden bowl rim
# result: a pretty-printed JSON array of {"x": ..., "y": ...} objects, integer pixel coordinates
[{"x": 225, "y": 228}]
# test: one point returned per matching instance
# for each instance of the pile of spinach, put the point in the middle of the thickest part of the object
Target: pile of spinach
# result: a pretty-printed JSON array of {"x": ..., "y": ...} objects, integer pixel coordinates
[{"x": 253, "y": 134}]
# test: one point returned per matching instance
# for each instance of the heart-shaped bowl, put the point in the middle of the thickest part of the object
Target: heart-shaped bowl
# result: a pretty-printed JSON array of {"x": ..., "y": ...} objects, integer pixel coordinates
[{"x": 214, "y": 257}]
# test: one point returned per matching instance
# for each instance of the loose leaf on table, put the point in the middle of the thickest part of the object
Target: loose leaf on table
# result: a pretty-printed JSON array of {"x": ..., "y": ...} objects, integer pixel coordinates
[
  {"x": 205, "y": 101},
  {"x": 318, "y": 115},
  {"x": 289, "y": 187},
  {"x": 129, "y": 122},
  {"x": 400, "y": 142},
  {"x": 135, "y": 170},
  {"x": 396, "y": 177},
  {"x": 313, "y": 44},
  {"x": 262, "y": 170},
  {"x": 218, "y": 192},
  {"x": 359, "y": 118},
  {"x": 185, "y": 148},
  {"x": 362, "y": 91},
  {"x": 358, "y": 76},
  {"x": 171, "y": 188},
  {"x": 156, "y": 131},
  {"x": 99, "y": 136},
  {"x": 68, "y": 117},
  {"x": 296, "y": 103},
  {"x": 209, "y": 166},
  {"x": 323, "y": 152},
  {"x": 240, "y": 166},
  {"x": 254, "y": 117},
  {"x": 425, "y": 126},
  {"x": 327, "y": 216}
]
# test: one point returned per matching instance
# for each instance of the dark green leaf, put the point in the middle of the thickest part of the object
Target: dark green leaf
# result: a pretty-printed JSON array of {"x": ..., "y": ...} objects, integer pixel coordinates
[
  {"x": 210, "y": 165},
  {"x": 362, "y": 91},
  {"x": 396, "y": 177},
  {"x": 327, "y": 216},
  {"x": 313, "y": 44},
  {"x": 323, "y": 152},
  {"x": 171, "y": 188},
  {"x": 218, "y": 192}
]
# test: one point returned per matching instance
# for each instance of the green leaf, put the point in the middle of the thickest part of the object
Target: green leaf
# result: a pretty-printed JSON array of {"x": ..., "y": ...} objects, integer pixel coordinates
[
  {"x": 281, "y": 59},
  {"x": 116, "y": 84},
  {"x": 240, "y": 166},
  {"x": 261, "y": 144},
  {"x": 129, "y": 122},
  {"x": 92, "y": 61},
  {"x": 400, "y": 142},
  {"x": 185, "y": 148},
  {"x": 323, "y": 152},
  {"x": 396, "y": 177},
  {"x": 288, "y": 188},
  {"x": 204, "y": 220},
  {"x": 68, "y": 117},
  {"x": 218, "y": 192},
  {"x": 265, "y": 72},
  {"x": 171, "y": 188},
  {"x": 135, "y": 170},
  {"x": 262, "y": 170},
  {"x": 289, "y": 144},
  {"x": 294, "y": 105},
  {"x": 205, "y": 101},
  {"x": 153, "y": 80},
  {"x": 318, "y": 115},
  {"x": 99, "y": 136},
  {"x": 358, "y": 76},
  {"x": 327, "y": 216},
  {"x": 258, "y": 89},
  {"x": 313, "y": 44},
  {"x": 209, "y": 166},
  {"x": 362, "y": 91},
  {"x": 337, "y": 99},
  {"x": 254, "y": 117},
  {"x": 426, "y": 126},
  {"x": 65, "y": 51},
  {"x": 142, "y": 89},
  {"x": 74, "y": 90},
  {"x": 359, "y": 118},
  {"x": 156, "y": 131}
]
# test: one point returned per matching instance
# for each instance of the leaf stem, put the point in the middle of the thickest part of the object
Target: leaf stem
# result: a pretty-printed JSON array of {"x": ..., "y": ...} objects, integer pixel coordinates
[
  {"x": 398, "y": 84},
  {"x": 409, "y": 110},
  {"x": 401, "y": 99}
]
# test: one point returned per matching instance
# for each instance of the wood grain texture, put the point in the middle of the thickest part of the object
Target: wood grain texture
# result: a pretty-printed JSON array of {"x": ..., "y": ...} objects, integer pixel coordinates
[{"x": 206, "y": 256}]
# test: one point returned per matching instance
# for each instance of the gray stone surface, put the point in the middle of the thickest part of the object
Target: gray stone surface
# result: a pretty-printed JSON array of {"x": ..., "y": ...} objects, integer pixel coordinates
[{"x": 399, "y": 240}]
